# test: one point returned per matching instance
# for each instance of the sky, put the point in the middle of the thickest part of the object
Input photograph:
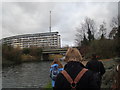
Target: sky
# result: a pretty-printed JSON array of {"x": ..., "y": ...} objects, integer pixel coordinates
[{"x": 33, "y": 17}]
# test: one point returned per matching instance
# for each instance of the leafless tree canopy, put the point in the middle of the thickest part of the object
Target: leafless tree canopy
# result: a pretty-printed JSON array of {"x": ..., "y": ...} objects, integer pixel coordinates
[
  {"x": 103, "y": 29},
  {"x": 114, "y": 22},
  {"x": 90, "y": 25},
  {"x": 86, "y": 29},
  {"x": 114, "y": 25}
]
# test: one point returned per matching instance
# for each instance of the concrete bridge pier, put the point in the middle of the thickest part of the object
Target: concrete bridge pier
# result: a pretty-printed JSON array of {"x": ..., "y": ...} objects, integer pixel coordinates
[
  {"x": 42, "y": 57},
  {"x": 45, "y": 56}
]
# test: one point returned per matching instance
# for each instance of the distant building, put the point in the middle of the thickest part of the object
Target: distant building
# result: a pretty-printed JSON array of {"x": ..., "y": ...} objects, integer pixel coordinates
[{"x": 44, "y": 40}]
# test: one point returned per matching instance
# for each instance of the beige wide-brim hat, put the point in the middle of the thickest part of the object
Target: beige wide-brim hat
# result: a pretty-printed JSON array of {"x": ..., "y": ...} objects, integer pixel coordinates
[{"x": 73, "y": 54}]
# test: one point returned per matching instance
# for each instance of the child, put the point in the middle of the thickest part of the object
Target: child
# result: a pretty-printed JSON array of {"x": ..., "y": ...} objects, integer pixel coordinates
[{"x": 55, "y": 69}]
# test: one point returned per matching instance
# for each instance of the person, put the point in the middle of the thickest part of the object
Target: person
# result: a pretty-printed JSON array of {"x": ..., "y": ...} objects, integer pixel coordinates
[
  {"x": 75, "y": 75},
  {"x": 55, "y": 69},
  {"x": 97, "y": 67}
]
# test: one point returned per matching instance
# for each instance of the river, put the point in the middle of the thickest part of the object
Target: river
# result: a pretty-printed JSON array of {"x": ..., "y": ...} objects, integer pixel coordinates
[
  {"x": 36, "y": 74},
  {"x": 26, "y": 75}
]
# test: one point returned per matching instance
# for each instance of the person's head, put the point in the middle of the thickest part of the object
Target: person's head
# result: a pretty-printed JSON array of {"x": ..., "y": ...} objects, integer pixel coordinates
[
  {"x": 73, "y": 54},
  {"x": 94, "y": 56},
  {"x": 57, "y": 61}
]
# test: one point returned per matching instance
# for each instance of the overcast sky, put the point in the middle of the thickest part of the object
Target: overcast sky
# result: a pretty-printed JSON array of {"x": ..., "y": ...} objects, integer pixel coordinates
[{"x": 33, "y": 17}]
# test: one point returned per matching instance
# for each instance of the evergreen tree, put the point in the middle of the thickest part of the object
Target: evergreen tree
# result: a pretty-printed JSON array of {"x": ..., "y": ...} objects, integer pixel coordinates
[
  {"x": 85, "y": 41},
  {"x": 90, "y": 36}
]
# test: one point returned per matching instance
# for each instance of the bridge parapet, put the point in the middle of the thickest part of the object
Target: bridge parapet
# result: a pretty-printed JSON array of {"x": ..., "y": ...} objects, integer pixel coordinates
[{"x": 54, "y": 51}]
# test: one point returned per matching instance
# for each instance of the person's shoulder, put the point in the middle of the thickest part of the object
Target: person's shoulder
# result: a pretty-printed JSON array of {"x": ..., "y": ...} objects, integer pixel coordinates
[
  {"x": 60, "y": 69},
  {"x": 65, "y": 66},
  {"x": 89, "y": 72},
  {"x": 100, "y": 62},
  {"x": 90, "y": 61},
  {"x": 54, "y": 65},
  {"x": 91, "y": 75}
]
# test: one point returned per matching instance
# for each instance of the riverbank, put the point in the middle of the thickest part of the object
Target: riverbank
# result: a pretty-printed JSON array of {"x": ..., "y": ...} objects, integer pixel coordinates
[
  {"x": 14, "y": 56},
  {"x": 109, "y": 76},
  {"x": 49, "y": 85},
  {"x": 8, "y": 63}
]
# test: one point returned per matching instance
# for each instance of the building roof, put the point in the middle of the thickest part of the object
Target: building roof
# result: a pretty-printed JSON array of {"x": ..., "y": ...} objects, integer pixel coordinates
[{"x": 32, "y": 35}]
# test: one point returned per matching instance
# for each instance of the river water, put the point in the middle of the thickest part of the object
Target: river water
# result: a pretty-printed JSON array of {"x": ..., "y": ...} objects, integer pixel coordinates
[
  {"x": 26, "y": 75},
  {"x": 36, "y": 74}
]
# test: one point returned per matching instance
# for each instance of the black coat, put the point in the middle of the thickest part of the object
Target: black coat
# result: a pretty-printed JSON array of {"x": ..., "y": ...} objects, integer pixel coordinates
[
  {"x": 96, "y": 66},
  {"x": 73, "y": 68}
]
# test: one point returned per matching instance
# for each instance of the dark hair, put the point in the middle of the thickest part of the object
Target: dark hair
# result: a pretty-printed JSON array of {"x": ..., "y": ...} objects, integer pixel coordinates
[
  {"x": 94, "y": 57},
  {"x": 57, "y": 61}
]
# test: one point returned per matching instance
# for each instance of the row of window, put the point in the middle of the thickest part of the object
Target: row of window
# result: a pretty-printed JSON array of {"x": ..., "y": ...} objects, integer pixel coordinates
[{"x": 27, "y": 46}]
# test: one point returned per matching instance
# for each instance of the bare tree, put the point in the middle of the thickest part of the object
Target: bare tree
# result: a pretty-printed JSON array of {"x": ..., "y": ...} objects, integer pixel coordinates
[
  {"x": 90, "y": 28},
  {"x": 114, "y": 25},
  {"x": 103, "y": 29},
  {"x": 80, "y": 34},
  {"x": 85, "y": 31},
  {"x": 113, "y": 32},
  {"x": 114, "y": 22}
]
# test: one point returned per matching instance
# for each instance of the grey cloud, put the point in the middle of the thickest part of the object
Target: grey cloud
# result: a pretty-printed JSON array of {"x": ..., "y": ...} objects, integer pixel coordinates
[{"x": 33, "y": 17}]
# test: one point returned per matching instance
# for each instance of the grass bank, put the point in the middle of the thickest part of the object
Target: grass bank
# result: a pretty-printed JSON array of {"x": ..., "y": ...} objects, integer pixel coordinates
[
  {"x": 48, "y": 86},
  {"x": 109, "y": 76}
]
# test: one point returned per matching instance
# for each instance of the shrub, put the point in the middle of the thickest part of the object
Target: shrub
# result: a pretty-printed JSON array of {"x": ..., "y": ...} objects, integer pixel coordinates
[
  {"x": 11, "y": 54},
  {"x": 104, "y": 48},
  {"x": 26, "y": 51}
]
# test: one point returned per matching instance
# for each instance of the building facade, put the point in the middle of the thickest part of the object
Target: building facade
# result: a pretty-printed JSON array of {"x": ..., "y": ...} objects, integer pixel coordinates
[{"x": 44, "y": 40}]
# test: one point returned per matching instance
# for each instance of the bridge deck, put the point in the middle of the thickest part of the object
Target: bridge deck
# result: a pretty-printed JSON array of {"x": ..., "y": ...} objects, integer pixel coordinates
[{"x": 50, "y": 51}]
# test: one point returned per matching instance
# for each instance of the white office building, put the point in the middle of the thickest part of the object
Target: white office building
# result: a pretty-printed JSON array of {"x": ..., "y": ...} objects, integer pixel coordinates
[{"x": 44, "y": 40}]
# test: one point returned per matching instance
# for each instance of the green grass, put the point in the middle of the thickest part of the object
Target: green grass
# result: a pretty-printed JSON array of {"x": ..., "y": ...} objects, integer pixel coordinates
[{"x": 49, "y": 85}]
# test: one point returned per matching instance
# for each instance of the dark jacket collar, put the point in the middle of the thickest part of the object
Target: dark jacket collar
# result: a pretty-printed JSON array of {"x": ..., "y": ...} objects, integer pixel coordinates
[{"x": 75, "y": 63}]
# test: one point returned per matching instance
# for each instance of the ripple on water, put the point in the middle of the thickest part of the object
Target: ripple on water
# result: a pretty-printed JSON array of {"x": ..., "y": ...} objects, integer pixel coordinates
[{"x": 27, "y": 75}]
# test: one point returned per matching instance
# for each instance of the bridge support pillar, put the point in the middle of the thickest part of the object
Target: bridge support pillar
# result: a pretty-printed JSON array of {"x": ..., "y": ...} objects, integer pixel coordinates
[
  {"x": 45, "y": 56},
  {"x": 42, "y": 57}
]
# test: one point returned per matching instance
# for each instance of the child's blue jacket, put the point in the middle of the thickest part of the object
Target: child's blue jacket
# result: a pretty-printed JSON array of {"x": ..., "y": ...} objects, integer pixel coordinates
[{"x": 60, "y": 69}]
